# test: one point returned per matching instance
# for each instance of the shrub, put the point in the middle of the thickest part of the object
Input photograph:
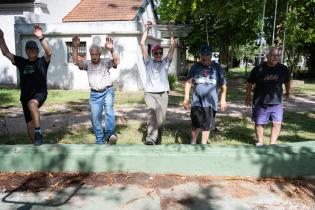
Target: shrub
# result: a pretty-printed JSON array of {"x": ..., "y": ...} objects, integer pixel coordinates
[{"x": 172, "y": 79}]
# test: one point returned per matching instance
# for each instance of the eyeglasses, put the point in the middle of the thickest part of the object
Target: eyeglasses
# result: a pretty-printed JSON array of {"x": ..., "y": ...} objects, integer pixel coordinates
[{"x": 158, "y": 53}]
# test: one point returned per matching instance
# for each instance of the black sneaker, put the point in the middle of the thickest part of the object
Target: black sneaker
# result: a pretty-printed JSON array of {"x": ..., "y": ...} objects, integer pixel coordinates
[
  {"x": 38, "y": 139},
  {"x": 112, "y": 139},
  {"x": 149, "y": 142}
]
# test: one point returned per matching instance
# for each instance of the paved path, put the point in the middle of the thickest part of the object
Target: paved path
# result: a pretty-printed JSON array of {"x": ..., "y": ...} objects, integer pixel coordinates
[{"x": 158, "y": 192}]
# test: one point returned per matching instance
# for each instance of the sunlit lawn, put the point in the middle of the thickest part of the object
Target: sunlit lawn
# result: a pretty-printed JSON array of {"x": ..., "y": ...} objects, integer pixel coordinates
[{"x": 298, "y": 126}]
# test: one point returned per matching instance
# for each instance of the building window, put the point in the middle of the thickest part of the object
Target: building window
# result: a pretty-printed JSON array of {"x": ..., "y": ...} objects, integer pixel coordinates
[{"x": 81, "y": 51}]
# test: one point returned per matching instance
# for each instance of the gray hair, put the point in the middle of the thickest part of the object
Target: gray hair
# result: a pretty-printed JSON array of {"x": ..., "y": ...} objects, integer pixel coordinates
[
  {"x": 94, "y": 46},
  {"x": 271, "y": 49}
]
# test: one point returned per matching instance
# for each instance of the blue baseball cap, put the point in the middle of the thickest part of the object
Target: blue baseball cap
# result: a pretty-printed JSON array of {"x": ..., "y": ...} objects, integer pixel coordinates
[{"x": 205, "y": 50}]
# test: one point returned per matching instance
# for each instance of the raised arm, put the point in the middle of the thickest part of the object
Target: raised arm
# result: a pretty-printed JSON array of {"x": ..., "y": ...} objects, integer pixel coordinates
[
  {"x": 148, "y": 26},
  {"x": 188, "y": 85},
  {"x": 173, "y": 43},
  {"x": 39, "y": 34},
  {"x": 109, "y": 46},
  {"x": 4, "y": 49},
  {"x": 75, "y": 46}
]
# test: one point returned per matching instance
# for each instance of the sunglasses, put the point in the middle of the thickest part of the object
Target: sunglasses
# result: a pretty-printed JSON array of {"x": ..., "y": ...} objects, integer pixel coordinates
[{"x": 158, "y": 53}]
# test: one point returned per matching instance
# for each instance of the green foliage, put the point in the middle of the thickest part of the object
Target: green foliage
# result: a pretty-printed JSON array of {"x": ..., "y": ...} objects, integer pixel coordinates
[
  {"x": 300, "y": 29},
  {"x": 172, "y": 79},
  {"x": 233, "y": 26}
]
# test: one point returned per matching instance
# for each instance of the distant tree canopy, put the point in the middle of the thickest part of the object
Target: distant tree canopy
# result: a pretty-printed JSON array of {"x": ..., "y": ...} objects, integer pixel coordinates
[{"x": 234, "y": 26}]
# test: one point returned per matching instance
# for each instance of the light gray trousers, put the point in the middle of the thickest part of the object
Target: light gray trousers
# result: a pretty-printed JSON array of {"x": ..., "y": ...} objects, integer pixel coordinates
[{"x": 156, "y": 110}]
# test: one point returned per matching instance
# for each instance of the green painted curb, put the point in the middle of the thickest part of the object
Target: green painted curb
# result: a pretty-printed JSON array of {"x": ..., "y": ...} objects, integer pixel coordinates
[{"x": 286, "y": 160}]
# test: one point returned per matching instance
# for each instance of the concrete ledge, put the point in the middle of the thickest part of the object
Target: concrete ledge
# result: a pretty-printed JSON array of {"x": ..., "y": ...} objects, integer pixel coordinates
[{"x": 287, "y": 160}]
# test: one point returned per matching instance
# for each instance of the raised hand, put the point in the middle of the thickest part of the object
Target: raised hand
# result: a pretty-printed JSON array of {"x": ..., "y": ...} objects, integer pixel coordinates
[
  {"x": 38, "y": 31},
  {"x": 148, "y": 25},
  {"x": 75, "y": 41},
  {"x": 109, "y": 44}
]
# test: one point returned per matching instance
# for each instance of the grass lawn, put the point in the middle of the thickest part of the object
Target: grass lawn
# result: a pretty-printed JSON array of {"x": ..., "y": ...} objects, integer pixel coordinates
[
  {"x": 298, "y": 126},
  {"x": 234, "y": 131}
]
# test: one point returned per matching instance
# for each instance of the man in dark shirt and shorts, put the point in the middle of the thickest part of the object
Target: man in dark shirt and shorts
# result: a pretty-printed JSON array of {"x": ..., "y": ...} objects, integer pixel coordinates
[
  {"x": 267, "y": 102},
  {"x": 207, "y": 78},
  {"x": 33, "y": 80}
]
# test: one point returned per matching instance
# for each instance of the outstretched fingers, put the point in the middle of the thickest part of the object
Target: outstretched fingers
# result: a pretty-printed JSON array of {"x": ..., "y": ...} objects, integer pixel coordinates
[{"x": 109, "y": 40}]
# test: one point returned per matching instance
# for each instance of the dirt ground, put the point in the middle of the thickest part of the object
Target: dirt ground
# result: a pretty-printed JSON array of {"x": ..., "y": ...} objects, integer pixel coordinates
[{"x": 174, "y": 192}]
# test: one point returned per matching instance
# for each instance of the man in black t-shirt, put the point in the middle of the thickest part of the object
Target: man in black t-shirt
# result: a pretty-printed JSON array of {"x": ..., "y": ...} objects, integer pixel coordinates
[
  {"x": 267, "y": 101},
  {"x": 33, "y": 80}
]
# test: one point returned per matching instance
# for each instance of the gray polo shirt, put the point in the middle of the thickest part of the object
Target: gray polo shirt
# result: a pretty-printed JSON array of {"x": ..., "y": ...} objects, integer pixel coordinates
[
  {"x": 156, "y": 75},
  {"x": 98, "y": 74}
]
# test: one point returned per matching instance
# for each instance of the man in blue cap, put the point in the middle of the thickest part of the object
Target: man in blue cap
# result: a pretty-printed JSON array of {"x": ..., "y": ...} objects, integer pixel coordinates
[
  {"x": 33, "y": 80},
  {"x": 207, "y": 78}
]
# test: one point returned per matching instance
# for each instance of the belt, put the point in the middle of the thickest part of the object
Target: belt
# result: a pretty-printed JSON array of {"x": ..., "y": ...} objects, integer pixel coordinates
[
  {"x": 102, "y": 90},
  {"x": 159, "y": 92}
]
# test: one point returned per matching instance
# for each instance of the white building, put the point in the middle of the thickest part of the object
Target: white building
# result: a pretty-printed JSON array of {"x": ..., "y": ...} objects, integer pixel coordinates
[{"x": 92, "y": 21}]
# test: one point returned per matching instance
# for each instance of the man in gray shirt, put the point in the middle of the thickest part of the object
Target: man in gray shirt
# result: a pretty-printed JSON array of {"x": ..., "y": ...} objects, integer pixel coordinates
[
  {"x": 102, "y": 91},
  {"x": 207, "y": 77},
  {"x": 156, "y": 87}
]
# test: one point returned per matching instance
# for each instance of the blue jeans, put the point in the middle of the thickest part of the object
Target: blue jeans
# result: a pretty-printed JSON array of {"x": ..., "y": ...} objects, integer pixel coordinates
[{"x": 98, "y": 102}]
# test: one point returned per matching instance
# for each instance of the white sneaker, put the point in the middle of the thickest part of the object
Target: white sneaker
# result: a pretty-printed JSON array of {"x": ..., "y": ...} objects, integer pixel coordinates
[
  {"x": 259, "y": 144},
  {"x": 112, "y": 139}
]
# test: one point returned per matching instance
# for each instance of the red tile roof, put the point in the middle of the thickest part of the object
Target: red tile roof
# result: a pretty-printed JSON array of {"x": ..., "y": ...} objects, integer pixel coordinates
[{"x": 103, "y": 10}]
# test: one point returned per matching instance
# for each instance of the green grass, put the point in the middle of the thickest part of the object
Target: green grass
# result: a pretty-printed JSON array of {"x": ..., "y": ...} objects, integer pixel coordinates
[
  {"x": 11, "y": 97},
  {"x": 297, "y": 127},
  {"x": 238, "y": 72},
  {"x": 308, "y": 88}
]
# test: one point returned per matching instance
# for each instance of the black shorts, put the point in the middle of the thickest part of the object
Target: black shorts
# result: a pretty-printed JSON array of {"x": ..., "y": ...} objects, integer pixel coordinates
[
  {"x": 202, "y": 117},
  {"x": 40, "y": 97}
]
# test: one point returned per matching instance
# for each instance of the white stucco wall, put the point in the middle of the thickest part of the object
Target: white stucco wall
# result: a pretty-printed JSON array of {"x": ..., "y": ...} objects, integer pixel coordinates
[
  {"x": 130, "y": 74},
  {"x": 66, "y": 75},
  {"x": 43, "y": 11},
  {"x": 8, "y": 74}
]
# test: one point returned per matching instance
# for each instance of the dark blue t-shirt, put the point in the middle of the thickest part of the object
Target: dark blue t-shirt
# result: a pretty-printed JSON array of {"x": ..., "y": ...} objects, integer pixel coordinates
[
  {"x": 207, "y": 80},
  {"x": 268, "y": 83},
  {"x": 33, "y": 76}
]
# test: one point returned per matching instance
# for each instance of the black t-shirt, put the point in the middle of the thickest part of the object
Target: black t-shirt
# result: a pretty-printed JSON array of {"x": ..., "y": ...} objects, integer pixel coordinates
[
  {"x": 268, "y": 83},
  {"x": 33, "y": 76}
]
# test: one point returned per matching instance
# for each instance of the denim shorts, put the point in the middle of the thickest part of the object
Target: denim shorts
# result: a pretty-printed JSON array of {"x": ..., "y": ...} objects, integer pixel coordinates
[{"x": 262, "y": 114}]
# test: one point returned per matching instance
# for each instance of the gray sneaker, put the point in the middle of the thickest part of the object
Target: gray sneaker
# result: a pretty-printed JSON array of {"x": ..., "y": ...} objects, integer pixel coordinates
[
  {"x": 149, "y": 142},
  {"x": 112, "y": 139}
]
